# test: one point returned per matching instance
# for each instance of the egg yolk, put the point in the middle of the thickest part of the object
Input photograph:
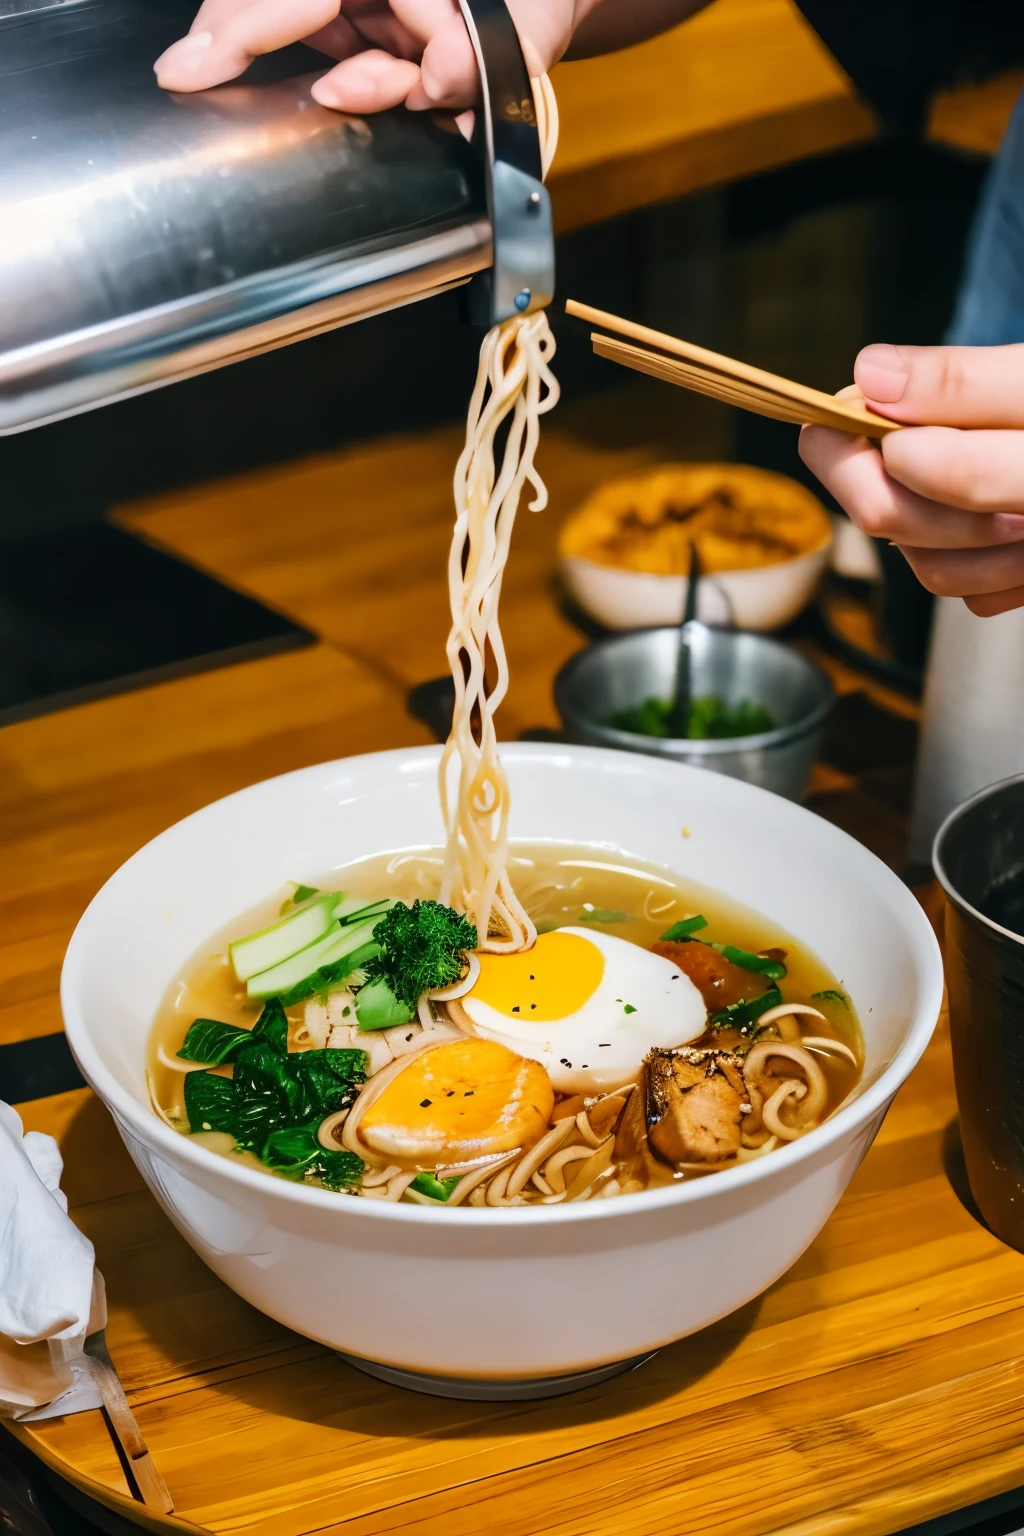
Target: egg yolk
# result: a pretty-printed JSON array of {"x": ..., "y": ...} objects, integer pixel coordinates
[
  {"x": 459, "y": 1101},
  {"x": 550, "y": 981}
]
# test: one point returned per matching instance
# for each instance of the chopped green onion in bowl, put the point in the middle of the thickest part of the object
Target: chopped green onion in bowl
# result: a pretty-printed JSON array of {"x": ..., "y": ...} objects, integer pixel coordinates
[{"x": 710, "y": 719}]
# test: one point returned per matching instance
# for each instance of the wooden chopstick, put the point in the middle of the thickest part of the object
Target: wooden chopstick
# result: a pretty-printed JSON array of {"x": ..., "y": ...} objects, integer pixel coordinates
[
  {"x": 726, "y": 378},
  {"x": 152, "y": 1488},
  {"x": 718, "y": 388}
]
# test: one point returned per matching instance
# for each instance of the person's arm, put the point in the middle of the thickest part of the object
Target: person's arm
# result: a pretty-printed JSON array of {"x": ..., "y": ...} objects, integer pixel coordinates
[
  {"x": 391, "y": 51},
  {"x": 950, "y": 493}
]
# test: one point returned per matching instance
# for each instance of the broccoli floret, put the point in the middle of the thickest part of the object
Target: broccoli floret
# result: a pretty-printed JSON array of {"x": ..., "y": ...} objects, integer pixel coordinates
[{"x": 421, "y": 948}]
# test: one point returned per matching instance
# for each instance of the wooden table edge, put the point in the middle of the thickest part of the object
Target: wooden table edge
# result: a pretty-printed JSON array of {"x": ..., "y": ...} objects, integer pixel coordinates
[
  {"x": 1006, "y": 1476},
  {"x": 119, "y": 1503}
]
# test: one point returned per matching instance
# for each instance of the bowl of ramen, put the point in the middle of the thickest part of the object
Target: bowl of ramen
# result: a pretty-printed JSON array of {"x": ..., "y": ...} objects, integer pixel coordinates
[
  {"x": 764, "y": 543},
  {"x": 506, "y": 1154}
]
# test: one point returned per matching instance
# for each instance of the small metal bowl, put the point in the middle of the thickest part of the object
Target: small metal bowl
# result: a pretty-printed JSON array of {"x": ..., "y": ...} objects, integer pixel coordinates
[{"x": 622, "y": 671}]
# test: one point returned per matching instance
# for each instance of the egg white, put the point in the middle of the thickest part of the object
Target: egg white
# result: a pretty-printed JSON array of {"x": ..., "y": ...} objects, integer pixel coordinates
[{"x": 599, "y": 1046}]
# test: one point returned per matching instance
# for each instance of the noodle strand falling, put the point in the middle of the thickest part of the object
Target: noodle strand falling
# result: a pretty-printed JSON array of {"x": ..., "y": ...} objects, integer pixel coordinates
[{"x": 514, "y": 388}]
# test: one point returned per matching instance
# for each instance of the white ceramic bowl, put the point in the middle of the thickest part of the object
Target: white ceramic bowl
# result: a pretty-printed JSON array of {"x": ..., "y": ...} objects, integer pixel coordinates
[
  {"x": 764, "y": 598},
  {"x": 515, "y": 1293}
]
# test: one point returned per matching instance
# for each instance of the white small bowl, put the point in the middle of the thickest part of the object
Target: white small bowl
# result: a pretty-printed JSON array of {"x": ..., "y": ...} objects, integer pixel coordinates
[
  {"x": 763, "y": 598},
  {"x": 516, "y": 1293}
]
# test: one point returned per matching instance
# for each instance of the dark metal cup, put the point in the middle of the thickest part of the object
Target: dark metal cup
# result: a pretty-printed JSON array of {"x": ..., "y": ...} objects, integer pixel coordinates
[{"x": 979, "y": 859}]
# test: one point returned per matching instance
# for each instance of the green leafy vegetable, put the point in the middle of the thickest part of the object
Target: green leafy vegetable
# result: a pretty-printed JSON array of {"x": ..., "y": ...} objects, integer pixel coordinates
[
  {"x": 273, "y": 1093},
  {"x": 684, "y": 930},
  {"x": 328, "y": 977},
  {"x": 421, "y": 949},
  {"x": 328, "y": 1080},
  {"x": 296, "y": 1153},
  {"x": 210, "y": 1103},
  {"x": 628, "y": 1008},
  {"x": 744, "y": 1015},
  {"x": 830, "y": 995},
  {"x": 272, "y": 1026},
  {"x": 710, "y": 718},
  {"x": 267, "y": 1093},
  {"x": 600, "y": 915},
  {"x": 773, "y": 969},
  {"x": 210, "y": 1041},
  {"x": 436, "y": 1189}
]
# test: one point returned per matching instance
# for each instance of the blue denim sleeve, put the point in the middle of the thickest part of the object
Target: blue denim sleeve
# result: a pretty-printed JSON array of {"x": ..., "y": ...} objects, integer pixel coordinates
[{"x": 990, "y": 305}]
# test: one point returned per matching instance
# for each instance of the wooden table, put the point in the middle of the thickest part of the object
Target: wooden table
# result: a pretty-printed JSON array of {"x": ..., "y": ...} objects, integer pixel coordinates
[
  {"x": 877, "y": 1384},
  {"x": 743, "y": 87}
]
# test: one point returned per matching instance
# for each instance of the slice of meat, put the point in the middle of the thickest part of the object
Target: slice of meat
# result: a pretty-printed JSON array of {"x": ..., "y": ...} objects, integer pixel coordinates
[
  {"x": 718, "y": 981},
  {"x": 694, "y": 1102}
]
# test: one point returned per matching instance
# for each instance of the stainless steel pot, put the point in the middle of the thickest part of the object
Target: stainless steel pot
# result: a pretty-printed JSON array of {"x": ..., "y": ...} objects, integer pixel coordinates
[
  {"x": 622, "y": 671},
  {"x": 979, "y": 859},
  {"x": 146, "y": 237}
]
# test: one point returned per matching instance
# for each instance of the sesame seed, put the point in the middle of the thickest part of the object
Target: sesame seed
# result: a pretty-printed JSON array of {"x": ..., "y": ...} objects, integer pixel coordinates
[
  {"x": 565, "y": 1063},
  {"x": 515, "y": 1007},
  {"x": 424, "y": 1103},
  {"x": 468, "y": 1093}
]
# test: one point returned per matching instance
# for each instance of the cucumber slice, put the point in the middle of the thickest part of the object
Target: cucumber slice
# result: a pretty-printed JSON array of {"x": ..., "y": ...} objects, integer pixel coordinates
[
  {"x": 377, "y": 1007},
  {"x": 336, "y": 945},
  {"x": 259, "y": 951},
  {"x": 356, "y": 909}
]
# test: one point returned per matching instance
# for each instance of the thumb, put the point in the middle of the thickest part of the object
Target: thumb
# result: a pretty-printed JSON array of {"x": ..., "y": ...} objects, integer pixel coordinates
[{"x": 944, "y": 386}]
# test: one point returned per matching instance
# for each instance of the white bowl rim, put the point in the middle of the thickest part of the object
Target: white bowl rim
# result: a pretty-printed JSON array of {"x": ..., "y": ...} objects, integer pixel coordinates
[{"x": 150, "y": 1128}]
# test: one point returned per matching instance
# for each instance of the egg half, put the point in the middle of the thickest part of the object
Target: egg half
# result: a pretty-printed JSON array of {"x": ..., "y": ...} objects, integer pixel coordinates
[
  {"x": 459, "y": 1101},
  {"x": 588, "y": 1006}
]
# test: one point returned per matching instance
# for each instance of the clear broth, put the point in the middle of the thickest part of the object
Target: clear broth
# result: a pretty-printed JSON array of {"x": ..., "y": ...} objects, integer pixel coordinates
[{"x": 559, "y": 884}]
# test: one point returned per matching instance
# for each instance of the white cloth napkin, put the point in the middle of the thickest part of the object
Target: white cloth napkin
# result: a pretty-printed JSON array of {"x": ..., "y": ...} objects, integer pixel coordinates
[{"x": 51, "y": 1293}]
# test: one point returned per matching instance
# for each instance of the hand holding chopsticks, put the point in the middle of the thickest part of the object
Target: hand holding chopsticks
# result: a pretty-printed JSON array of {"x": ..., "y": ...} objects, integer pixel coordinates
[
  {"x": 945, "y": 483},
  {"x": 724, "y": 378}
]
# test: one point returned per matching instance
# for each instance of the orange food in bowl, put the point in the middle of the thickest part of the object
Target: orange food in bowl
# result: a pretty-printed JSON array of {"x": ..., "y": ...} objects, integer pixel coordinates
[
  {"x": 458, "y": 1101},
  {"x": 740, "y": 518}
]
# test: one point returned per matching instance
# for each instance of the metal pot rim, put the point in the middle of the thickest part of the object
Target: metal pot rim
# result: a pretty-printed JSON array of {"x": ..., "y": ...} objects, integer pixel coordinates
[
  {"x": 780, "y": 736},
  {"x": 941, "y": 874}
]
